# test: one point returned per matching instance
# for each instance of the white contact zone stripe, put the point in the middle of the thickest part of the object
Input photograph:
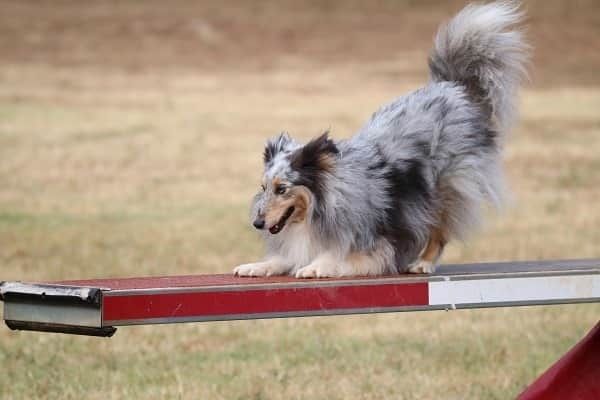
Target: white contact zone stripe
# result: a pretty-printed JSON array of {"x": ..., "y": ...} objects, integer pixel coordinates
[{"x": 538, "y": 288}]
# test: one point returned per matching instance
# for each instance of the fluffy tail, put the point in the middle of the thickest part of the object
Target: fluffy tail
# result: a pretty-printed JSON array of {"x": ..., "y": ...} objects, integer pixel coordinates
[{"x": 480, "y": 49}]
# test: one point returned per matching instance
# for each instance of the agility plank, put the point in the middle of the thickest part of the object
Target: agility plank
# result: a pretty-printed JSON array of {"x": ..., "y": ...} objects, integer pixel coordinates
[
  {"x": 96, "y": 307},
  {"x": 574, "y": 376}
]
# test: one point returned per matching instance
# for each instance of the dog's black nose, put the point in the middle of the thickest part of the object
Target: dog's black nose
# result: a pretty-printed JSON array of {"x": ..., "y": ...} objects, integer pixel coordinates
[{"x": 259, "y": 223}]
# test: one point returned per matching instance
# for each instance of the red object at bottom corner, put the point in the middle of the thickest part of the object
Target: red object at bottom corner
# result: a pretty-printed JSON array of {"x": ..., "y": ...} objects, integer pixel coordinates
[{"x": 576, "y": 376}]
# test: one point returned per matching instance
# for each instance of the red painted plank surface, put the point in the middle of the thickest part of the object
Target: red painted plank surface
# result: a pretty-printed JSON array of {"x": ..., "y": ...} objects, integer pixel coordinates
[
  {"x": 262, "y": 301},
  {"x": 153, "y": 282},
  {"x": 158, "y": 282},
  {"x": 228, "y": 279}
]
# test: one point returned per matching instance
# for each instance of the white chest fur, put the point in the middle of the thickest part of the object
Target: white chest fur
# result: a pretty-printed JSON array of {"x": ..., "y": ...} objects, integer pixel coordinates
[{"x": 296, "y": 244}]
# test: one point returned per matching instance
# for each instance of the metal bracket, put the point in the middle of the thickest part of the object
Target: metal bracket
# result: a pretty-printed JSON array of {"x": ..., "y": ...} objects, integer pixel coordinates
[
  {"x": 54, "y": 308},
  {"x": 13, "y": 291},
  {"x": 106, "y": 331}
]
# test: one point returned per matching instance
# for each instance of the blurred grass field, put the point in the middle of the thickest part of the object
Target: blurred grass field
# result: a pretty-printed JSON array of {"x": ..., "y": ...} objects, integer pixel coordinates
[{"x": 130, "y": 144}]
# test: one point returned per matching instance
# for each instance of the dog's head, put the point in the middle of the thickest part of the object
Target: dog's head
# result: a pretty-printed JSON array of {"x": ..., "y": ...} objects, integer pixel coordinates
[{"x": 293, "y": 179}]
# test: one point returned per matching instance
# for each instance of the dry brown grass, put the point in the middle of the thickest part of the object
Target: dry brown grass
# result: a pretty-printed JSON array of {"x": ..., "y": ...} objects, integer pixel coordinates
[{"x": 114, "y": 165}]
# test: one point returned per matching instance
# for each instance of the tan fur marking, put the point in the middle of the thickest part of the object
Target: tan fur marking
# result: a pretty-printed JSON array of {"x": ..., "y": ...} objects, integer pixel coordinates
[
  {"x": 275, "y": 210},
  {"x": 327, "y": 162},
  {"x": 297, "y": 196},
  {"x": 301, "y": 203},
  {"x": 438, "y": 237},
  {"x": 426, "y": 262},
  {"x": 434, "y": 246},
  {"x": 372, "y": 263}
]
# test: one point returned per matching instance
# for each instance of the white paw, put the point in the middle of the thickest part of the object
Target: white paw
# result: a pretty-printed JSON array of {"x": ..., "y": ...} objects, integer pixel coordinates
[
  {"x": 316, "y": 271},
  {"x": 254, "y": 269},
  {"x": 421, "y": 267}
]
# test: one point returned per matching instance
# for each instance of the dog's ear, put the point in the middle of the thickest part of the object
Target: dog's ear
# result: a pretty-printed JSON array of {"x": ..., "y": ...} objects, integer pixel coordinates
[
  {"x": 275, "y": 145},
  {"x": 317, "y": 155}
]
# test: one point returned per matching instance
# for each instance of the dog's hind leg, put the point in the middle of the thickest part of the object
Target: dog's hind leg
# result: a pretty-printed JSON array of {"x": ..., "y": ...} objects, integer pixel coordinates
[
  {"x": 426, "y": 262},
  {"x": 377, "y": 261}
]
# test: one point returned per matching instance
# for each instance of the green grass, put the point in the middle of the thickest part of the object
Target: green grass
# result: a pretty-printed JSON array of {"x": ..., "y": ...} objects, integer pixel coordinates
[
  {"x": 173, "y": 200},
  {"x": 466, "y": 354}
]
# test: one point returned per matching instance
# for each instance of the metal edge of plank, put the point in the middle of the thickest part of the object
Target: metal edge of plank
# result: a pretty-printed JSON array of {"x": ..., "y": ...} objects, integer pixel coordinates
[
  {"x": 11, "y": 291},
  {"x": 105, "y": 331},
  {"x": 54, "y": 308}
]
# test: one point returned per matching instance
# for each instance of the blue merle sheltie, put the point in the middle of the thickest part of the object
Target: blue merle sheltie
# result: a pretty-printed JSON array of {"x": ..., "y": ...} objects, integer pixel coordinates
[{"x": 415, "y": 176}]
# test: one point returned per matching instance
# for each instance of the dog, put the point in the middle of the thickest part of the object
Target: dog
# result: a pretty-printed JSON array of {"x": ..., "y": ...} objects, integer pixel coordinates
[{"x": 414, "y": 177}]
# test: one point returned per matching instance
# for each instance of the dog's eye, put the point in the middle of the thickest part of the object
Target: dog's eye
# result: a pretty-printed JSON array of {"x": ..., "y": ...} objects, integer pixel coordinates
[
  {"x": 263, "y": 187},
  {"x": 280, "y": 189}
]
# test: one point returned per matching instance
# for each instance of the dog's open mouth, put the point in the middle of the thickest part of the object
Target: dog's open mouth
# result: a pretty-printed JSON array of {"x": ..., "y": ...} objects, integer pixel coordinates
[{"x": 279, "y": 225}]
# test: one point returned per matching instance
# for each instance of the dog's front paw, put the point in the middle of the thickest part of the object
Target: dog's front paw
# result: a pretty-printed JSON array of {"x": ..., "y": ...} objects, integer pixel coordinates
[
  {"x": 317, "y": 270},
  {"x": 421, "y": 267},
  {"x": 254, "y": 269}
]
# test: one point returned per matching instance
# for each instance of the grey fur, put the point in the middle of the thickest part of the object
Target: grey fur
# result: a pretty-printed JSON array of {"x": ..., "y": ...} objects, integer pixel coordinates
[
  {"x": 477, "y": 49},
  {"x": 432, "y": 154}
]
